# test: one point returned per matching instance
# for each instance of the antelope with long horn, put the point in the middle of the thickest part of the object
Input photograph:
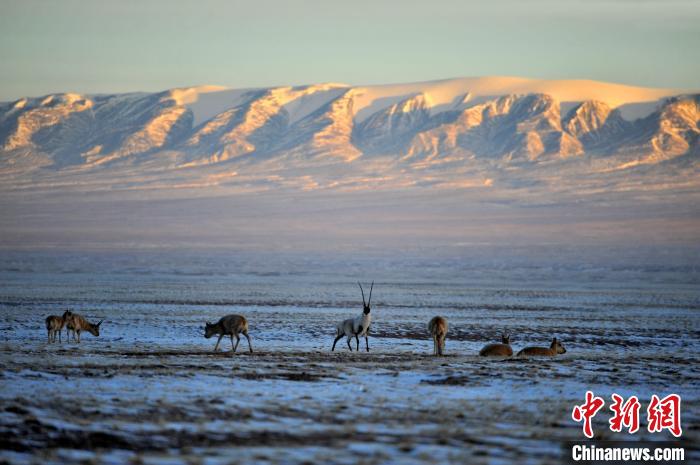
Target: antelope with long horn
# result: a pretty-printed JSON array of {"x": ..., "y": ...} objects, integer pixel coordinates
[{"x": 356, "y": 327}]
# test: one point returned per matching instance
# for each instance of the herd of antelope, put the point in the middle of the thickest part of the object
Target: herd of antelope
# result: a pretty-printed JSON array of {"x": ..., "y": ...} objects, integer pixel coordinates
[
  {"x": 73, "y": 323},
  {"x": 233, "y": 325}
]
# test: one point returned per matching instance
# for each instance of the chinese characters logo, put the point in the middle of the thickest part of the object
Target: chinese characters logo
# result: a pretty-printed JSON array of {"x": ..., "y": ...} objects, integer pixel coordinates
[{"x": 662, "y": 414}]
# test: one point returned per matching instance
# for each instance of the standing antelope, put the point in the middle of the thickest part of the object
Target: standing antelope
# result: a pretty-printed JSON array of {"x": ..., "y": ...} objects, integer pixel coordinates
[
  {"x": 230, "y": 325},
  {"x": 358, "y": 326},
  {"x": 54, "y": 325},
  {"x": 498, "y": 350},
  {"x": 77, "y": 324},
  {"x": 554, "y": 348},
  {"x": 69, "y": 325},
  {"x": 438, "y": 330}
]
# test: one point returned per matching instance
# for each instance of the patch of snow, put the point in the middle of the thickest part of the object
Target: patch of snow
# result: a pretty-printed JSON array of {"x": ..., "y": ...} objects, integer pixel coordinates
[
  {"x": 444, "y": 93},
  {"x": 205, "y": 102}
]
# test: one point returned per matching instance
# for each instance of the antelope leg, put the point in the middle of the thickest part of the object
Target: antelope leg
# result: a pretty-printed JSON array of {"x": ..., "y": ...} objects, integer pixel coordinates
[
  {"x": 250, "y": 346},
  {"x": 336, "y": 340}
]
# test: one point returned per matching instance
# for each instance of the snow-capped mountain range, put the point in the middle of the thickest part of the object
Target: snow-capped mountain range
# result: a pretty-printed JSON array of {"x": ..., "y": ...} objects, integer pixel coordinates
[{"x": 455, "y": 133}]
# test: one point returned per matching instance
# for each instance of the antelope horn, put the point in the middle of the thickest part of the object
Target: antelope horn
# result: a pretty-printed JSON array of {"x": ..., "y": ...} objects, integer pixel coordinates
[
  {"x": 370, "y": 293},
  {"x": 363, "y": 293}
]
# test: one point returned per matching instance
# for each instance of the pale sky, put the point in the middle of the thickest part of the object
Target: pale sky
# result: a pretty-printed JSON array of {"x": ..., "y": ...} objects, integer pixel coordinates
[{"x": 92, "y": 46}]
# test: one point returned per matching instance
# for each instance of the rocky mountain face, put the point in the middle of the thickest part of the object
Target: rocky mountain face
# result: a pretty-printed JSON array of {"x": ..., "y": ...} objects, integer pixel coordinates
[{"x": 59, "y": 135}]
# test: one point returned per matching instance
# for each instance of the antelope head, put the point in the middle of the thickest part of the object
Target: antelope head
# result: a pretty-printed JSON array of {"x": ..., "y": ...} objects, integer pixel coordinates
[
  {"x": 557, "y": 346},
  {"x": 366, "y": 305},
  {"x": 95, "y": 330},
  {"x": 209, "y": 330}
]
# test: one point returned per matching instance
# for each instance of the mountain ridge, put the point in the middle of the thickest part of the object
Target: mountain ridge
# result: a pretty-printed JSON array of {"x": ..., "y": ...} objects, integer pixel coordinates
[{"x": 466, "y": 126}]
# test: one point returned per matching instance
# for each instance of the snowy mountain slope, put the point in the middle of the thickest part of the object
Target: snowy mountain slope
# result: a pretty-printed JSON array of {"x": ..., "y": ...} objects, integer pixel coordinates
[
  {"x": 450, "y": 92},
  {"x": 420, "y": 132},
  {"x": 391, "y": 128}
]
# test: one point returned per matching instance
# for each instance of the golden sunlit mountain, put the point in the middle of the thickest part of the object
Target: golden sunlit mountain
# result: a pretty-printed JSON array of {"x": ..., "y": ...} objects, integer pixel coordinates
[{"x": 456, "y": 132}]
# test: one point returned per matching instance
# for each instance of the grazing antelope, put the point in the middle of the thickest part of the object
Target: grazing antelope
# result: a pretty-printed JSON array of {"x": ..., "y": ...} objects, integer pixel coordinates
[
  {"x": 54, "y": 325},
  {"x": 358, "y": 326},
  {"x": 498, "y": 350},
  {"x": 554, "y": 348},
  {"x": 230, "y": 325},
  {"x": 77, "y": 324},
  {"x": 438, "y": 330}
]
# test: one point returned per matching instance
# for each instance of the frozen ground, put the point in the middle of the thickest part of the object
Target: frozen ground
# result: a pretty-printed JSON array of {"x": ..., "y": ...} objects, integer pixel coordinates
[{"x": 150, "y": 389}]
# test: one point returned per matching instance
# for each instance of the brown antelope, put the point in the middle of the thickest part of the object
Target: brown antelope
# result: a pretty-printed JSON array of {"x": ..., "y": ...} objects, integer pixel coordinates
[
  {"x": 78, "y": 324},
  {"x": 499, "y": 350},
  {"x": 438, "y": 330},
  {"x": 358, "y": 326},
  {"x": 554, "y": 348},
  {"x": 69, "y": 326},
  {"x": 230, "y": 325},
  {"x": 54, "y": 325}
]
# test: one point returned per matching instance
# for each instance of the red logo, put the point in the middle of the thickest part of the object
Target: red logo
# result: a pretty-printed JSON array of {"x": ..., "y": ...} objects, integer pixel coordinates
[
  {"x": 665, "y": 414},
  {"x": 626, "y": 414},
  {"x": 587, "y": 411},
  {"x": 662, "y": 414}
]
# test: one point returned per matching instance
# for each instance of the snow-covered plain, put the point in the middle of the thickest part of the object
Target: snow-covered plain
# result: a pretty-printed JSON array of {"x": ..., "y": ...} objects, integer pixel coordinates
[{"x": 150, "y": 389}]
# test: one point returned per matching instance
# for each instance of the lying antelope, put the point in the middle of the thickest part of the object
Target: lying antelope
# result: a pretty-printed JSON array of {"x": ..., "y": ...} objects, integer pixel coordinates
[
  {"x": 54, "y": 325},
  {"x": 438, "y": 330},
  {"x": 554, "y": 348},
  {"x": 498, "y": 350},
  {"x": 230, "y": 325},
  {"x": 358, "y": 326},
  {"x": 78, "y": 323}
]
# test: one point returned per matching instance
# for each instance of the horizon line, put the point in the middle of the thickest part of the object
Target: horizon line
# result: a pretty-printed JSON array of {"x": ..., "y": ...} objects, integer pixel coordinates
[{"x": 224, "y": 87}]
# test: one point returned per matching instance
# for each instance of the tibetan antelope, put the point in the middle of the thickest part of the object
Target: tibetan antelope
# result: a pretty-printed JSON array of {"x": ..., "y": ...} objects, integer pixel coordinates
[
  {"x": 498, "y": 350},
  {"x": 55, "y": 324},
  {"x": 230, "y": 325},
  {"x": 78, "y": 324},
  {"x": 358, "y": 326},
  {"x": 554, "y": 348},
  {"x": 438, "y": 330}
]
